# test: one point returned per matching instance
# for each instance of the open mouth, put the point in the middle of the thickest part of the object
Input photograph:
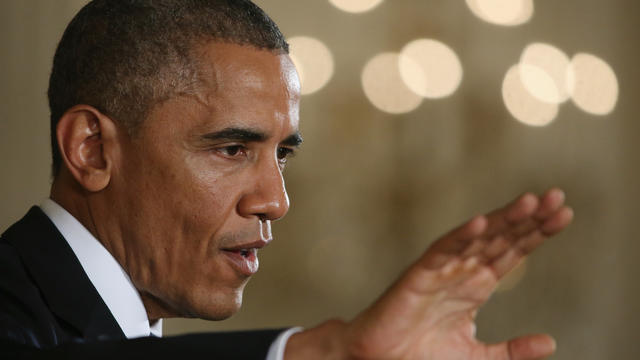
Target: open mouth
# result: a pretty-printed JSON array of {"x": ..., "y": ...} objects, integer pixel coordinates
[
  {"x": 248, "y": 249},
  {"x": 244, "y": 257},
  {"x": 245, "y": 261},
  {"x": 242, "y": 252}
]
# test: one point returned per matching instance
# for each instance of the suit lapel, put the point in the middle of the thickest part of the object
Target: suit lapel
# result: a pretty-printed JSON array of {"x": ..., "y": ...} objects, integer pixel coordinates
[{"x": 60, "y": 277}]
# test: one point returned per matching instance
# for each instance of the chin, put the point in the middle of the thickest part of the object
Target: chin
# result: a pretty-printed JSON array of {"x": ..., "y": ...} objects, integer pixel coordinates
[{"x": 214, "y": 304}]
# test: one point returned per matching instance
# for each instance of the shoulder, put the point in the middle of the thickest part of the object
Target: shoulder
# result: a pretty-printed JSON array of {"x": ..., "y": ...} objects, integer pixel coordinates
[
  {"x": 18, "y": 296},
  {"x": 25, "y": 317}
]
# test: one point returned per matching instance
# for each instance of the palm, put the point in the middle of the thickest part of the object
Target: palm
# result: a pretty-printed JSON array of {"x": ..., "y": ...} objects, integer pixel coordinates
[{"x": 429, "y": 313}]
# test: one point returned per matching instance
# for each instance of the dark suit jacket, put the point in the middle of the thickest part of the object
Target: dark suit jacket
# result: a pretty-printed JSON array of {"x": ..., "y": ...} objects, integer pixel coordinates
[{"x": 49, "y": 308}]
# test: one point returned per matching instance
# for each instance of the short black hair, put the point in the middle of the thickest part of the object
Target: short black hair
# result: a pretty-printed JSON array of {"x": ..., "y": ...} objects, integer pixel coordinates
[{"x": 125, "y": 56}]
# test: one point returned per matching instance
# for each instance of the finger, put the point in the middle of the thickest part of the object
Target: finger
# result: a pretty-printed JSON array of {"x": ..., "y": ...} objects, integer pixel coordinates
[
  {"x": 516, "y": 224},
  {"x": 457, "y": 239},
  {"x": 477, "y": 287},
  {"x": 489, "y": 248},
  {"x": 453, "y": 244},
  {"x": 512, "y": 220},
  {"x": 456, "y": 274},
  {"x": 463, "y": 285},
  {"x": 557, "y": 222},
  {"x": 550, "y": 203},
  {"x": 529, "y": 347},
  {"x": 526, "y": 236},
  {"x": 510, "y": 259},
  {"x": 475, "y": 247},
  {"x": 524, "y": 228},
  {"x": 523, "y": 208},
  {"x": 561, "y": 219},
  {"x": 527, "y": 243},
  {"x": 450, "y": 276},
  {"x": 513, "y": 251},
  {"x": 505, "y": 263},
  {"x": 496, "y": 247}
]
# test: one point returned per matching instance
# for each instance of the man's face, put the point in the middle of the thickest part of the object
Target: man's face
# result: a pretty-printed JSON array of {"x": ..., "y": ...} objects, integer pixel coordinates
[{"x": 195, "y": 189}]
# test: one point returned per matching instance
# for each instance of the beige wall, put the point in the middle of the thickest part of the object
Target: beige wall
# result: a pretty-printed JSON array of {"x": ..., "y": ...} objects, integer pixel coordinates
[{"x": 370, "y": 191}]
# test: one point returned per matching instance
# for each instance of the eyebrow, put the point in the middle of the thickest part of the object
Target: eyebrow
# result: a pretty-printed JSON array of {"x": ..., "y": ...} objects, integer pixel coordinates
[
  {"x": 250, "y": 135},
  {"x": 294, "y": 139},
  {"x": 236, "y": 134}
]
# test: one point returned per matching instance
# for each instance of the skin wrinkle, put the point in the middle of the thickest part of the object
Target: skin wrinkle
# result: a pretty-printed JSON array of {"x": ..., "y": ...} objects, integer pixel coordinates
[
  {"x": 177, "y": 207},
  {"x": 126, "y": 58},
  {"x": 178, "y": 246},
  {"x": 100, "y": 229}
]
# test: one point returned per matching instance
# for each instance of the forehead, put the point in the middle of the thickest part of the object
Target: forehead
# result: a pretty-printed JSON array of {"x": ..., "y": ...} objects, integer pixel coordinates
[{"x": 248, "y": 84}]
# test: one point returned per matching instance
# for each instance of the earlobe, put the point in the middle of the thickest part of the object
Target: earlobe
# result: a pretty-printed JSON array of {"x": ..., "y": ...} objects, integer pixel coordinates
[{"x": 85, "y": 137}]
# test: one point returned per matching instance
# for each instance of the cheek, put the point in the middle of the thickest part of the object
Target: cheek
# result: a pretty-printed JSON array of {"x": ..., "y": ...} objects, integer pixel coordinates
[
  {"x": 173, "y": 206},
  {"x": 204, "y": 189},
  {"x": 194, "y": 204},
  {"x": 182, "y": 205},
  {"x": 216, "y": 185}
]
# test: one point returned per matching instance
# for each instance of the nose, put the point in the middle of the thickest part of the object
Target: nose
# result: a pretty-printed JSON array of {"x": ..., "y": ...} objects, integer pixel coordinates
[{"x": 268, "y": 200}]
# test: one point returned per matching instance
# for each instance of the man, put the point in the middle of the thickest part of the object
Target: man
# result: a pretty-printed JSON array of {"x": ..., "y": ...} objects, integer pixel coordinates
[{"x": 171, "y": 123}]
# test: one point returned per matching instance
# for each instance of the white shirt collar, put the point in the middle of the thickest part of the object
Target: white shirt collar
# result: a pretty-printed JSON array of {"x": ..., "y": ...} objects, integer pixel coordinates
[{"x": 105, "y": 273}]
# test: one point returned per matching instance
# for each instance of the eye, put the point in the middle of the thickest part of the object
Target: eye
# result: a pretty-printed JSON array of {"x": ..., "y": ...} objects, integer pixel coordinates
[
  {"x": 284, "y": 154},
  {"x": 232, "y": 150}
]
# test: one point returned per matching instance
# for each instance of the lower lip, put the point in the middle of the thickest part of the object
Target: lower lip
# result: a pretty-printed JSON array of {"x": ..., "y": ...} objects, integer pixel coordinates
[{"x": 245, "y": 265}]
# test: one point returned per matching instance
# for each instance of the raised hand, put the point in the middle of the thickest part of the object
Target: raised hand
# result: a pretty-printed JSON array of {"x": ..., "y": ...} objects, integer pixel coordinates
[{"x": 429, "y": 312}]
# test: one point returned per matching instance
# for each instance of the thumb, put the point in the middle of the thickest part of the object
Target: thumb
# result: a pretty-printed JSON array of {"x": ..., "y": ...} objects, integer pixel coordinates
[{"x": 530, "y": 347}]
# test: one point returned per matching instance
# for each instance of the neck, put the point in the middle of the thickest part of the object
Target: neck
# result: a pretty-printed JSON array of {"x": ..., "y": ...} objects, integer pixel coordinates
[
  {"x": 72, "y": 197},
  {"x": 87, "y": 209}
]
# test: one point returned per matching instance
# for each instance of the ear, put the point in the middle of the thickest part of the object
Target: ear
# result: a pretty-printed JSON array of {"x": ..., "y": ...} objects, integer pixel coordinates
[{"x": 86, "y": 138}]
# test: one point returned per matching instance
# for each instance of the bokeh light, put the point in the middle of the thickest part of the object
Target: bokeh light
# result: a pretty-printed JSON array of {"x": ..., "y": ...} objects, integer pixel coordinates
[
  {"x": 502, "y": 12},
  {"x": 593, "y": 84},
  {"x": 384, "y": 87},
  {"x": 522, "y": 105},
  {"x": 430, "y": 68},
  {"x": 314, "y": 62},
  {"x": 543, "y": 69},
  {"x": 355, "y": 6}
]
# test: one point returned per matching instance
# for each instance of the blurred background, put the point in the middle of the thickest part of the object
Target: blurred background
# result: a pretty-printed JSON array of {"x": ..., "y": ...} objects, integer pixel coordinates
[{"x": 418, "y": 114}]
